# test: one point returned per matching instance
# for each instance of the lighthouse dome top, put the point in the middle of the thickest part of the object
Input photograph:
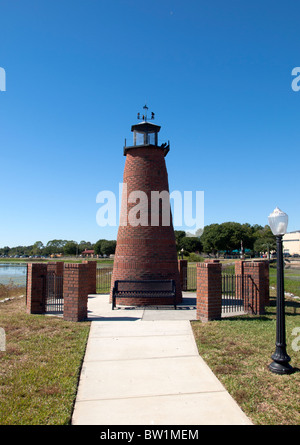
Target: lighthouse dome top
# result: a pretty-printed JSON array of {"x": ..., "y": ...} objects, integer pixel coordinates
[
  {"x": 145, "y": 133},
  {"x": 145, "y": 127}
]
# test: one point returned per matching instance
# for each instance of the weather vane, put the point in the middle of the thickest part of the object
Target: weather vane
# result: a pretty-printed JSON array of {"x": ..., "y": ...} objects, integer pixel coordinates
[{"x": 144, "y": 117}]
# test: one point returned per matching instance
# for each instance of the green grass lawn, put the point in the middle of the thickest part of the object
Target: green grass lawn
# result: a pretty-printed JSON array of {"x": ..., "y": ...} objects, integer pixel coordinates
[
  {"x": 291, "y": 280},
  {"x": 40, "y": 368},
  {"x": 239, "y": 350}
]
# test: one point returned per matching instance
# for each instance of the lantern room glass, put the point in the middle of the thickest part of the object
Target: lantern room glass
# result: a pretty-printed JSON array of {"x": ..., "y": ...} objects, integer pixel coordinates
[{"x": 144, "y": 138}]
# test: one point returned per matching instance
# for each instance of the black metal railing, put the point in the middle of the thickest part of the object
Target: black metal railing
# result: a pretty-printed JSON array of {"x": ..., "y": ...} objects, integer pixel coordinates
[
  {"x": 191, "y": 279},
  {"x": 190, "y": 283},
  {"x": 237, "y": 293},
  {"x": 103, "y": 280},
  {"x": 54, "y": 294}
]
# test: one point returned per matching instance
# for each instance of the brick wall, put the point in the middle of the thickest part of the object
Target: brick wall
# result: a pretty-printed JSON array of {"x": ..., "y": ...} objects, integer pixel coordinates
[
  {"x": 36, "y": 288},
  {"x": 76, "y": 289},
  {"x": 79, "y": 280},
  {"x": 92, "y": 271},
  {"x": 239, "y": 267},
  {"x": 209, "y": 290},
  {"x": 259, "y": 273}
]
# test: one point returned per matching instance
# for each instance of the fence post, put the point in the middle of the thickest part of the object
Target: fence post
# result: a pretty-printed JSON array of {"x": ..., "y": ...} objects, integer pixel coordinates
[
  {"x": 259, "y": 273},
  {"x": 76, "y": 289},
  {"x": 209, "y": 290},
  {"x": 182, "y": 267},
  {"x": 92, "y": 271},
  {"x": 36, "y": 288}
]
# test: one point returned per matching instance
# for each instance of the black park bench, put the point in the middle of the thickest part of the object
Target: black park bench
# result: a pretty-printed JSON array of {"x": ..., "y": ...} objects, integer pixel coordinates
[{"x": 144, "y": 289}]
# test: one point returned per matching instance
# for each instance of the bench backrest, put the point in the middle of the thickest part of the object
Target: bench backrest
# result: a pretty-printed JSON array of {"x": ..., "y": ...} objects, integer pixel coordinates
[{"x": 148, "y": 285}]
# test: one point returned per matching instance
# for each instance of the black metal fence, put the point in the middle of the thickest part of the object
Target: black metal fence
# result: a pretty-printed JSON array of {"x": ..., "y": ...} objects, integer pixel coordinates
[
  {"x": 191, "y": 278},
  {"x": 103, "y": 280},
  {"x": 190, "y": 283},
  {"x": 237, "y": 293},
  {"x": 54, "y": 294},
  {"x": 54, "y": 302}
]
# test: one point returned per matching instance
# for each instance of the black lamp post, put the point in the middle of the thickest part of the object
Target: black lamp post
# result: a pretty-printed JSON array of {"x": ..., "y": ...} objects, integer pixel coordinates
[
  {"x": 182, "y": 253},
  {"x": 278, "y": 221}
]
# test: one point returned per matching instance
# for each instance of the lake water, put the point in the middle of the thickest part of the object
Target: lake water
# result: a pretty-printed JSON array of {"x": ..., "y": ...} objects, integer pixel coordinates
[{"x": 15, "y": 273}]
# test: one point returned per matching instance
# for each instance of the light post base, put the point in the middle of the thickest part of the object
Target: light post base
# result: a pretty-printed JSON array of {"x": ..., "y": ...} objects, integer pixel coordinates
[
  {"x": 280, "y": 364},
  {"x": 281, "y": 368}
]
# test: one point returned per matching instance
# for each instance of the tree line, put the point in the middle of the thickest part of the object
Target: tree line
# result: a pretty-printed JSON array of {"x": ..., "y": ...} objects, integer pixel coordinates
[
  {"x": 63, "y": 247},
  {"x": 228, "y": 238}
]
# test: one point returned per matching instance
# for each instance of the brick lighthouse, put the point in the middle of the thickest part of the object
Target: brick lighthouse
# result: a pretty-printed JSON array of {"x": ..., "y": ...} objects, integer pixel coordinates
[{"x": 146, "y": 248}]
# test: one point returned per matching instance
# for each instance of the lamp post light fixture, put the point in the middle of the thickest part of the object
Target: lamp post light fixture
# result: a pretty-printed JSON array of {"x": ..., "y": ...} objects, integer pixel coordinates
[{"x": 278, "y": 222}]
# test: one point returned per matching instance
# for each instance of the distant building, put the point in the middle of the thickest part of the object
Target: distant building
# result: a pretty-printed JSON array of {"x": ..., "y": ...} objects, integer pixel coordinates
[
  {"x": 291, "y": 243},
  {"x": 88, "y": 253}
]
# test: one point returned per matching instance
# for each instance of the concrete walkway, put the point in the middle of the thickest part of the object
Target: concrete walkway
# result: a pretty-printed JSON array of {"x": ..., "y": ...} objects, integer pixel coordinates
[{"x": 142, "y": 367}]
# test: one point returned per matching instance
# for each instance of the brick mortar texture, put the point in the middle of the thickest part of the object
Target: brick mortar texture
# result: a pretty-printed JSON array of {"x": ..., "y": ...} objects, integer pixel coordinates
[
  {"x": 76, "y": 289},
  {"x": 209, "y": 291}
]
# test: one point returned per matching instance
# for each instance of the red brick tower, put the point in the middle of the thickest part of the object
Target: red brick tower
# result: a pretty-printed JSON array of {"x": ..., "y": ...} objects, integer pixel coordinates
[{"x": 146, "y": 248}]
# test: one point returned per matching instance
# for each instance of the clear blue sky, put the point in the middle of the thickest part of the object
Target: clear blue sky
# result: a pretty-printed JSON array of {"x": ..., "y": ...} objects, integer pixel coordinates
[{"x": 217, "y": 75}]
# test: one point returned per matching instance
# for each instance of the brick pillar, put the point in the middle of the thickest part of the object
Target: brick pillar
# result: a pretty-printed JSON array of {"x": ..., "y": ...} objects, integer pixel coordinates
[
  {"x": 76, "y": 289},
  {"x": 36, "y": 288},
  {"x": 239, "y": 267},
  {"x": 209, "y": 290},
  {"x": 92, "y": 268},
  {"x": 182, "y": 267},
  {"x": 257, "y": 271}
]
